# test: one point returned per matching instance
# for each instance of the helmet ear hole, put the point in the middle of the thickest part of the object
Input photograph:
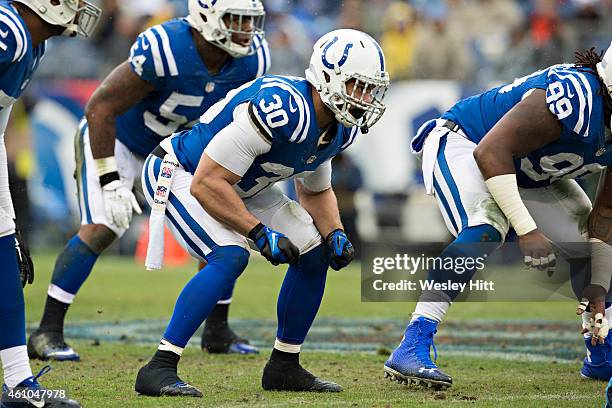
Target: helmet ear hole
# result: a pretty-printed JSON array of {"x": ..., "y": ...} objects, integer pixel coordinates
[
  {"x": 55, "y": 2},
  {"x": 327, "y": 77},
  {"x": 204, "y": 18}
]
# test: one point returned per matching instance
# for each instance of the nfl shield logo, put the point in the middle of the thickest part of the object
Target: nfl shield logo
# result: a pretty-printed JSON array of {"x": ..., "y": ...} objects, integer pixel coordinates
[{"x": 166, "y": 172}]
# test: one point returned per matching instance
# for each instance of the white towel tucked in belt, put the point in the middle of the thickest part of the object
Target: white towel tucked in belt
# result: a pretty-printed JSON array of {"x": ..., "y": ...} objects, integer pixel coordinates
[{"x": 155, "y": 250}]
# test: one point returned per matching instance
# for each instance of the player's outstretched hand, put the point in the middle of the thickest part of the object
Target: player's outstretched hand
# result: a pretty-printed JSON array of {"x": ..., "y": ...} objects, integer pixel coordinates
[
  {"x": 274, "y": 246},
  {"x": 119, "y": 202},
  {"x": 26, "y": 266},
  {"x": 538, "y": 251},
  {"x": 594, "y": 298},
  {"x": 341, "y": 249}
]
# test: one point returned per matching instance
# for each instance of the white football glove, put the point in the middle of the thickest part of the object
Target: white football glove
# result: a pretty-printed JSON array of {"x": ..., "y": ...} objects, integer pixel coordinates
[
  {"x": 597, "y": 328},
  {"x": 119, "y": 202}
]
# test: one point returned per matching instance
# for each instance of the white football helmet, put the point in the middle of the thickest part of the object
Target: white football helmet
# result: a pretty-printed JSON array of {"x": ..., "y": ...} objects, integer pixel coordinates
[
  {"x": 344, "y": 56},
  {"x": 77, "y": 16},
  {"x": 604, "y": 69},
  {"x": 220, "y": 20}
]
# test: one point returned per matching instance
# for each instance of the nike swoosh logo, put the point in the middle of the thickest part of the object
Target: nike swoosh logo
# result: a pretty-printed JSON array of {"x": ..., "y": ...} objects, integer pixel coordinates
[
  {"x": 569, "y": 92},
  {"x": 292, "y": 108},
  {"x": 4, "y": 34},
  {"x": 36, "y": 403},
  {"x": 145, "y": 45}
]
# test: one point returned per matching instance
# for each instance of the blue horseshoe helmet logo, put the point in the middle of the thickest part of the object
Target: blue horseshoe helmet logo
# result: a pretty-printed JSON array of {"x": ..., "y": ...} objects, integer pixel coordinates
[
  {"x": 203, "y": 5},
  {"x": 342, "y": 61}
]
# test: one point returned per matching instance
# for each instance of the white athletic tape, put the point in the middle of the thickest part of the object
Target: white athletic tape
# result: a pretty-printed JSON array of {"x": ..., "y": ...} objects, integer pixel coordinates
[
  {"x": 601, "y": 257},
  {"x": 105, "y": 165},
  {"x": 504, "y": 189},
  {"x": 155, "y": 249},
  {"x": 286, "y": 347}
]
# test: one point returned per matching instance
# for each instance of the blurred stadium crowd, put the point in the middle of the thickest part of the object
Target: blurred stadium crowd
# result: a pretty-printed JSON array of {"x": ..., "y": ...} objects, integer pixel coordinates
[
  {"x": 476, "y": 43},
  {"x": 473, "y": 40}
]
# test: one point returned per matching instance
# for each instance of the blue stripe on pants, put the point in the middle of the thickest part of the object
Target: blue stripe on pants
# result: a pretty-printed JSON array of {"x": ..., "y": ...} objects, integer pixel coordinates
[{"x": 452, "y": 186}]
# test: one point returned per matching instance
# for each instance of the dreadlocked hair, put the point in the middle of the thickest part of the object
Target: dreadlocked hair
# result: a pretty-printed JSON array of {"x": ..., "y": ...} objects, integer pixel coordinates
[{"x": 588, "y": 59}]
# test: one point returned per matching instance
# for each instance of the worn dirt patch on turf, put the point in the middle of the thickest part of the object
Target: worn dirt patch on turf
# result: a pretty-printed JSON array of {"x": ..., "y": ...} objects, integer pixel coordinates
[{"x": 529, "y": 340}]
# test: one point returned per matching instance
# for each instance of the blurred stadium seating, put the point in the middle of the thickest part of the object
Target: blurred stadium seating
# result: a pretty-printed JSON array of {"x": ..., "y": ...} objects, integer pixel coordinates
[{"x": 437, "y": 52}]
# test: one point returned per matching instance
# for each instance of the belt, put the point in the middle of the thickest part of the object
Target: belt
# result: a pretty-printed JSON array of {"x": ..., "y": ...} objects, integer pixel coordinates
[{"x": 159, "y": 152}]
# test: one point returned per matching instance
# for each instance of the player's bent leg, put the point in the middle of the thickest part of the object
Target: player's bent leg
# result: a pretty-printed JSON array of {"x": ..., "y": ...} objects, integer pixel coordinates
[
  {"x": 300, "y": 295},
  {"x": 15, "y": 362},
  {"x": 561, "y": 211},
  {"x": 218, "y": 336},
  {"x": 411, "y": 361},
  {"x": 298, "y": 302},
  {"x": 72, "y": 268},
  {"x": 159, "y": 376}
]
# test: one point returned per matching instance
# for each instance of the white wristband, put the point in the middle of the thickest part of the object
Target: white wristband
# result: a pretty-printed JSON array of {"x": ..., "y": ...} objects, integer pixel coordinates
[
  {"x": 504, "y": 190},
  {"x": 601, "y": 257},
  {"x": 105, "y": 165}
]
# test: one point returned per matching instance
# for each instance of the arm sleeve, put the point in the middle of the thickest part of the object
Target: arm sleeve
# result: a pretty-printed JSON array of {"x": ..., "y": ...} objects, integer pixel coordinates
[
  {"x": 238, "y": 144},
  {"x": 320, "y": 179}
]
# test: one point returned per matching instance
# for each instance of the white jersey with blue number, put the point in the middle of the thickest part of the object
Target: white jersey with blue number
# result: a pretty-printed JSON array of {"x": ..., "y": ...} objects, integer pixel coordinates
[
  {"x": 166, "y": 57},
  {"x": 18, "y": 59},
  {"x": 282, "y": 111},
  {"x": 574, "y": 96}
]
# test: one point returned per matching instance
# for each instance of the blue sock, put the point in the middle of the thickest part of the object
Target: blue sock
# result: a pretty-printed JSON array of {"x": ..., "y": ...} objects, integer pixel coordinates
[
  {"x": 73, "y": 266},
  {"x": 472, "y": 242},
  {"x": 203, "y": 291},
  {"x": 227, "y": 296},
  {"x": 12, "y": 308},
  {"x": 300, "y": 296}
]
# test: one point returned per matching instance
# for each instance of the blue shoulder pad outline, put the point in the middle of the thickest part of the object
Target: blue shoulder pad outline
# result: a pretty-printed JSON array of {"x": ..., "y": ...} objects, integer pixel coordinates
[
  {"x": 13, "y": 38},
  {"x": 280, "y": 112},
  {"x": 571, "y": 95},
  {"x": 151, "y": 56},
  {"x": 263, "y": 56}
]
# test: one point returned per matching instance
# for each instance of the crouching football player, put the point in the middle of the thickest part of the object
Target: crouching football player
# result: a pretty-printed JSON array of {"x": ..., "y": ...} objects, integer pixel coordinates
[
  {"x": 509, "y": 158},
  {"x": 222, "y": 197}
]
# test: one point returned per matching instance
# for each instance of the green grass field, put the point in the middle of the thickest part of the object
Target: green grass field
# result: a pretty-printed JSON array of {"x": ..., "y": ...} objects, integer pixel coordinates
[{"x": 518, "y": 368}]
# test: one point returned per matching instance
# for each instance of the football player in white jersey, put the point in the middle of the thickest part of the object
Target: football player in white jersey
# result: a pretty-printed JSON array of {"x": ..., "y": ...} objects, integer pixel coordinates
[
  {"x": 25, "y": 25},
  {"x": 176, "y": 70}
]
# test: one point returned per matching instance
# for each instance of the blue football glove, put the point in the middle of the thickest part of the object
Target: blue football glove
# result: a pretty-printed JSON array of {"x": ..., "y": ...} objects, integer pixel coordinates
[
  {"x": 341, "y": 249},
  {"x": 274, "y": 246}
]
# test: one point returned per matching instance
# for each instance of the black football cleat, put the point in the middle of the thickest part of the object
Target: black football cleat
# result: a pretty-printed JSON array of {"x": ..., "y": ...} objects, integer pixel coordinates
[
  {"x": 50, "y": 346},
  {"x": 284, "y": 377},
  {"x": 30, "y": 394},
  {"x": 160, "y": 381},
  {"x": 221, "y": 339}
]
